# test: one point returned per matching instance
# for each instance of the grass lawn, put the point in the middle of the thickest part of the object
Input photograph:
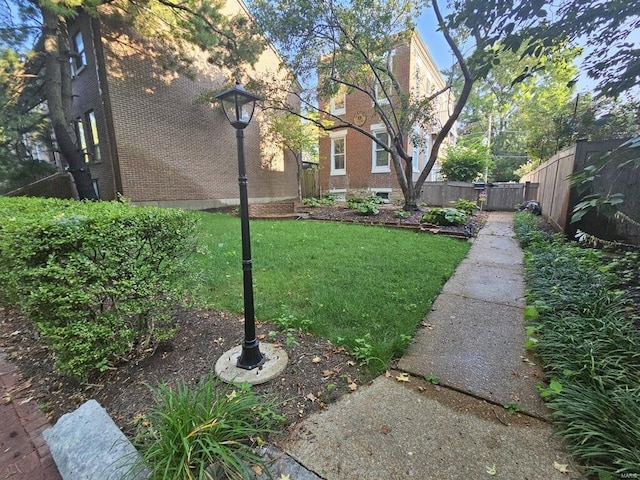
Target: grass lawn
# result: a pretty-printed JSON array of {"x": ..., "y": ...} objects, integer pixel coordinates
[{"x": 363, "y": 287}]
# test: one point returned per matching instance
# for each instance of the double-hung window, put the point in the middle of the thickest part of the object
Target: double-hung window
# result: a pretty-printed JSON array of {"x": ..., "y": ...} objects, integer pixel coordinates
[
  {"x": 78, "y": 58},
  {"x": 380, "y": 161},
  {"x": 88, "y": 139},
  {"x": 339, "y": 103},
  {"x": 339, "y": 153},
  {"x": 384, "y": 85}
]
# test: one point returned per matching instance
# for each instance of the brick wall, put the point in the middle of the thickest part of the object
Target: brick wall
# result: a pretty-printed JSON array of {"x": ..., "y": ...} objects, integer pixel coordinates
[
  {"x": 86, "y": 88},
  {"x": 160, "y": 146},
  {"x": 58, "y": 185}
]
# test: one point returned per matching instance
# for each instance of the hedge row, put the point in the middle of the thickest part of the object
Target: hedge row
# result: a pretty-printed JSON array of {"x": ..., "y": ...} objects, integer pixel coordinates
[{"x": 99, "y": 279}]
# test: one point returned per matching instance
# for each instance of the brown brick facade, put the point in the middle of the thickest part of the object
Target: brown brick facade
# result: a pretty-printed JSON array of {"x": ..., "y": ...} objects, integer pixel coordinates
[
  {"x": 159, "y": 146},
  {"x": 359, "y": 177}
]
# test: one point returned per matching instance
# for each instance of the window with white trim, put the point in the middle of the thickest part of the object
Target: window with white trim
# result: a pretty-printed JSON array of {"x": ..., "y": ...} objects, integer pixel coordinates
[
  {"x": 381, "y": 94},
  {"x": 381, "y": 160},
  {"x": 78, "y": 58},
  {"x": 339, "y": 104},
  {"x": 339, "y": 153}
]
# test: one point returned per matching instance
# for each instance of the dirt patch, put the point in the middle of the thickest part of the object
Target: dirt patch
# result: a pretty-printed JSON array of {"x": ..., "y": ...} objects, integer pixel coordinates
[
  {"x": 388, "y": 217},
  {"x": 317, "y": 373}
]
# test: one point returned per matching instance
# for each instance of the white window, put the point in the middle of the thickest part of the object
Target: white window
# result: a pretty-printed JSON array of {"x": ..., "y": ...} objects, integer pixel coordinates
[
  {"x": 419, "y": 77},
  {"x": 78, "y": 58},
  {"x": 383, "y": 193},
  {"x": 339, "y": 195},
  {"x": 380, "y": 158},
  {"x": 339, "y": 153},
  {"x": 339, "y": 104},
  {"x": 383, "y": 88}
]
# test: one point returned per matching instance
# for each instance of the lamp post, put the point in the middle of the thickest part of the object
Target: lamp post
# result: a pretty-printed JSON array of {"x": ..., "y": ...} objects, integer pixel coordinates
[{"x": 238, "y": 106}]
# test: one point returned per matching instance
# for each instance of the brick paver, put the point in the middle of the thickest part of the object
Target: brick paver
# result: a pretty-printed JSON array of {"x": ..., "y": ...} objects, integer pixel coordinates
[{"x": 24, "y": 454}]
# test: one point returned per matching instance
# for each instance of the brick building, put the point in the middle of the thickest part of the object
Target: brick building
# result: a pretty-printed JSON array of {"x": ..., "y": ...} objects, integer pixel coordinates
[
  {"x": 145, "y": 136},
  {"x": 352, "y": 163}
]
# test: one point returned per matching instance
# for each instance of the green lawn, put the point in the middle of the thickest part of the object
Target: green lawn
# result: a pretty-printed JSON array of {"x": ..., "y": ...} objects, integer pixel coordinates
[{"x": 364, "y": 287}]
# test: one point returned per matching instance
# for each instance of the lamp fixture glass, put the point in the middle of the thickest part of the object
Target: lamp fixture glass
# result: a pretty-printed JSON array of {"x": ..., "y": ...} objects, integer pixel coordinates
[{"x": 238, "y": 105}]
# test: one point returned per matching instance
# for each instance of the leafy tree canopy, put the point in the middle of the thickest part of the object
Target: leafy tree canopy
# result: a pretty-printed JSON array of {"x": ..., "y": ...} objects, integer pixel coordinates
[
  {"x": 605, "y": 27},
  {"x": 466, "y": 163}
]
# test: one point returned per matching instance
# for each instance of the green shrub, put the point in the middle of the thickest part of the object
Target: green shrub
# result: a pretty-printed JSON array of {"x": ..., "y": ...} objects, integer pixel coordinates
[
  {"x": 318, "y": 202},
  {"x": 365, "y": 206},
  {"x": 205, "y": 432},
  {"x": 589, "y": 345},
  {"x": 445, "y": 216},
  {"x": 465, "y": 206},
  {"x": 98, "y": 279}
]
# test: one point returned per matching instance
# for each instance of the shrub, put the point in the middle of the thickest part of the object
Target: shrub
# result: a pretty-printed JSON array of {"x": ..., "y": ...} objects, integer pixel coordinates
[
  {"x": 365, "y": 206},
  {"x": 98, "y": 279},
  {"x": 465, "y": 206},
  {"x": 445, "y": 216},
  {"x": 205, "y": 432},
  {"x": 318, "y": 202},
  {"x": 589, "y": 346}
]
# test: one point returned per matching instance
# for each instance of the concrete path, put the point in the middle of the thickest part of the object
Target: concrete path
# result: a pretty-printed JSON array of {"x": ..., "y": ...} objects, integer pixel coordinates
[{"x": 472, "y": 341}]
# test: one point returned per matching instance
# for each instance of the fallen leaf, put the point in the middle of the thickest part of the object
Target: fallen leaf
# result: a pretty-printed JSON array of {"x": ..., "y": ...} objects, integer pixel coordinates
[
  {"x": 262, "y": 336},
  {"x": 351, "y": 363},
  {"x": 422, "y": 389},
  {"x": 327, "y": 373},
  {"x": 385, "y": 429},
  {"x": 403, "y": 377},
  {"x": 492, "y": 470},
  {"x": 387, "y": 374},
  {"x": 257, "y": 469},
  {"x": 561, "y": 467},
  {"x": 316, "y": 359},
  {"x": 311, "y": 397},
  {"x": 284, "y": 477},
  {"x": 353, "y": 386}
]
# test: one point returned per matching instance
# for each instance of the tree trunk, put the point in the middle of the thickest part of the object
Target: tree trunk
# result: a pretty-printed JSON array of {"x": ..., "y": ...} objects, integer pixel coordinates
[{"x": 57, "y": 87}]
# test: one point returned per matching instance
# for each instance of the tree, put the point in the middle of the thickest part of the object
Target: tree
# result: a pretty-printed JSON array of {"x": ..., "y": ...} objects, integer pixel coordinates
[
  {"x": 298, "y": 136},
  {"x": 20, "y": 131},
  {"x": 514, "y": 117},
  {"x": 179, "y": 26},
  {"x": 605, "y": 27},
  {"x": 346, "y": 46},
  {"x": 465, "y": 164}
]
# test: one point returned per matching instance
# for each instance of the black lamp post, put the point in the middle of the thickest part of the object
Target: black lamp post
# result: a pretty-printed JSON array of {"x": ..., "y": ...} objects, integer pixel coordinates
[{"x": 238, "y": 107}]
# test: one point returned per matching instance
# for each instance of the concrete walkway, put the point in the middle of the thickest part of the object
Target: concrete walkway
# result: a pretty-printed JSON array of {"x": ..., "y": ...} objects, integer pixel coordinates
[{"x": 472, "y": 342}]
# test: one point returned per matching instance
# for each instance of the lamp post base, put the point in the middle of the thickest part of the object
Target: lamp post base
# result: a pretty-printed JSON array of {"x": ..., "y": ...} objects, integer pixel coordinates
[
  {"x": 275, "y": 361},
  {"x": 251, "y": 357}
]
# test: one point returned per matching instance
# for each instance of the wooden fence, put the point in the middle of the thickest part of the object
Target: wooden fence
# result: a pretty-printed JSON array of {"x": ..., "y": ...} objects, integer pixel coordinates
[
  {"x": 557, "y": 198},
  {"x": 309, "y": 183},
  {"x": 58, "y": 185},
  {"x": 499, "y": 196}
]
